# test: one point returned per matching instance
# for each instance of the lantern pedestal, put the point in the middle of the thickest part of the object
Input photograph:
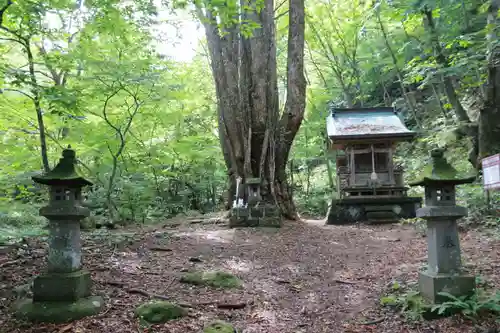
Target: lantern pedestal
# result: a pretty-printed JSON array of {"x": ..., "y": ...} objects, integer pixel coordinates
[
  {"x": 64, "y": 287},
  {"x": 443, "y": 272},
  {"x": 431, "y": 284},
  {"x": 65, "y": 252}
]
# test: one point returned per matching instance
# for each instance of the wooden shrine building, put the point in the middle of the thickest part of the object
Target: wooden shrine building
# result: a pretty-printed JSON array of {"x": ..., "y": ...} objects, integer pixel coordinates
[{"x": 370, "y": 186}]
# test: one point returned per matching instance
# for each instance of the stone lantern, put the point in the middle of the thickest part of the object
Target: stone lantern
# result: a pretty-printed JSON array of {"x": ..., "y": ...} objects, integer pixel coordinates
[
  {"x": 444, "y": 272},
  {"x": 62, "y": 293}
]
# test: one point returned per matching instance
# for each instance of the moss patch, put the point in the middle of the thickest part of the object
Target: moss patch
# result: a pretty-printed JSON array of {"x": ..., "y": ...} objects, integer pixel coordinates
[
  {"x": 219, "y": 327},
  {"x": 215, "y": 279},
  {"x": 159, "y": 311}
]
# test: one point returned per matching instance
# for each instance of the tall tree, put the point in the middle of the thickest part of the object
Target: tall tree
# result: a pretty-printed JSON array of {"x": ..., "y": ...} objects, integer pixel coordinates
[
  {"x": 256, "y": 137},
  {"x": 334, "y": 43},
  {"x": 443, "y": 61},
  {"x": 22, "y": 35},
  {"x": 399, "y": 74}
]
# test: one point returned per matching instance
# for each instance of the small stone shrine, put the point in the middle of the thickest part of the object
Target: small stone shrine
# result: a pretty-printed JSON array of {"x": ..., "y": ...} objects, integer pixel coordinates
[
  {"x": 444, "y": 273},
  {"x": 248, "y": 209},
  {"x": 62, "y": 292},
  {"x": 370, "y": 186}
]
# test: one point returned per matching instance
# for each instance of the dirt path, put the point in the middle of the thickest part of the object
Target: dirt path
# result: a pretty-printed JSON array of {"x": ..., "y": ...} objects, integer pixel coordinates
[{"x": 305, "y": 277}]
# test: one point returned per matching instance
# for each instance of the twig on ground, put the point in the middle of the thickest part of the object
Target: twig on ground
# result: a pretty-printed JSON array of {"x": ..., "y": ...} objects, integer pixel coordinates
[
  {"x": 159, "y": 248},
  {"x": 364, "y": 309},
  {"x": 113, "y": 283},
  {"x": 373, "y": 322},
  {"x": 65, "y": 328},
  {"x": 147, "y": 294},
  {"x": 344, "y": 282},
  {"x": 105, "y": 312},
  {"x": 11, "y": 262},
  {"x": 232, "y": 306},
  {"x": 98, "y": 268},
  {"x": 168, "y": 285},
  {"x": 211, "y": 220},
  {"x": 171, "y": 225},
  {"x": 90, "y": 248},
  {"x": 197, "y": 221}
]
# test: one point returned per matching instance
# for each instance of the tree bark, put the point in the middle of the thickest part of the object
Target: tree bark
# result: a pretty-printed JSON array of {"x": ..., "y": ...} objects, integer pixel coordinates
[
  {"x": 489, "y": 115},
  {"x": 38, "y": 107},
  {"x": 255, "y": 139}
]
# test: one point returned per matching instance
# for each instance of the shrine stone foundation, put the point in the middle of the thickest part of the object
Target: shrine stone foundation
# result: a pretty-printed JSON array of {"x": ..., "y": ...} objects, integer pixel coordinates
[{"x": 249, "y": 210}]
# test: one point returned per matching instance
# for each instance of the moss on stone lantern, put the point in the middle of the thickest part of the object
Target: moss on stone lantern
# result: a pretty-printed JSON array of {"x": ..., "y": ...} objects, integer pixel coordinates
[
  {"x": 444, "y": 272},
  {"x": 441, "y": 172},
  {"x": 62, "y": 292},
  {"x": 65, "y": 172}
]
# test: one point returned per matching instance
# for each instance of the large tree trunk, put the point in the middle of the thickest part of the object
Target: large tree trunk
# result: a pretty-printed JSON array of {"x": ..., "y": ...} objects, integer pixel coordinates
[
  {"x": 489, "y": 115},
  {"x": 255, "y": 138}
]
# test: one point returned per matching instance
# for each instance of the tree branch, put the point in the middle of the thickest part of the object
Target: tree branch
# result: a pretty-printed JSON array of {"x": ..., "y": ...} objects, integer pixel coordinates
[
  {"x": 18, "y": 91},
  {"x": 105, "y": 110},
  {"x": 11, "y": 40},
  {"x": 21, "y": 40},
  {"x": 318, "y": 70},
  {"x": 281, "y": 15},
  {"x": 279, "y": 6},
  {"x": 56, "y": 77}
]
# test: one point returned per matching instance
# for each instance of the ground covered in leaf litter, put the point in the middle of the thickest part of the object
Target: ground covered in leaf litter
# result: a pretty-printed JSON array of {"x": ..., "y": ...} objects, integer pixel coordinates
[{"x": 303, "y": 278}]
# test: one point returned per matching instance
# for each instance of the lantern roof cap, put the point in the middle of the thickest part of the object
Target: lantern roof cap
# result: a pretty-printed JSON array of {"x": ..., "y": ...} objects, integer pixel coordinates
[
  {"x": 440, "y": 171},
  {"x": 65, "y": 172}
]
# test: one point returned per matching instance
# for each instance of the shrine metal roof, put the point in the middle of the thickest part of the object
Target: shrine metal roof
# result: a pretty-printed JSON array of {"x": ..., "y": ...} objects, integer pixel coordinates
[{"x": 366, "y": 123}]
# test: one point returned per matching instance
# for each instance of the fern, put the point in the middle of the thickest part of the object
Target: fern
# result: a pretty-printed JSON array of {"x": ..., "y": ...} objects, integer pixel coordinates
[{"x": 471, "y": 307}]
